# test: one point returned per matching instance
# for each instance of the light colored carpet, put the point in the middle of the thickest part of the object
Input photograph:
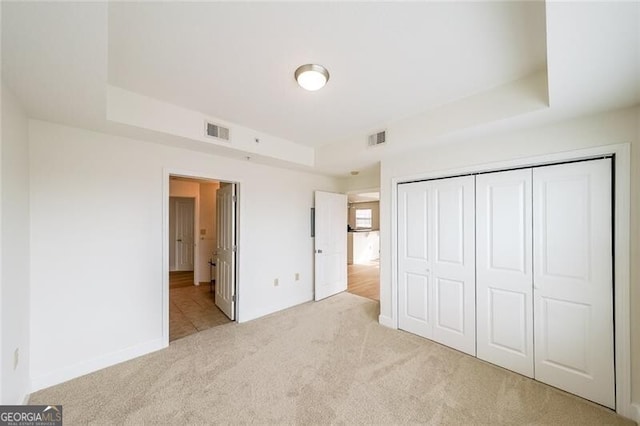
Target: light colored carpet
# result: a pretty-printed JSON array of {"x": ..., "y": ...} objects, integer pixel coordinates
[{"x": 324, "y": 362}]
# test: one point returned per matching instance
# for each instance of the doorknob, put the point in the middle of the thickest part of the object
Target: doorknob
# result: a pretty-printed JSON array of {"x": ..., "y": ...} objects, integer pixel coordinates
[{"x": 318, "y": 251}]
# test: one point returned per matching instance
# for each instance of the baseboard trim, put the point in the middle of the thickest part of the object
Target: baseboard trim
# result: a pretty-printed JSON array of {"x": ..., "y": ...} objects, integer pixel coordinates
[
  {"x": 386, "y": 321},
  {"x": 635, "y": 412},
  {"x": 85, "y": 367}
]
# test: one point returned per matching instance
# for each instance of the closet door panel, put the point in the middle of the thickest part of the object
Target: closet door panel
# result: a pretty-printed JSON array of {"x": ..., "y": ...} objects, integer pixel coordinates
[
  {"x": 414, "y": 287},
  {"x": 573, "y": 279},
  {"x": 504, "y": 285},
  {"x": 453, "y": 266}
]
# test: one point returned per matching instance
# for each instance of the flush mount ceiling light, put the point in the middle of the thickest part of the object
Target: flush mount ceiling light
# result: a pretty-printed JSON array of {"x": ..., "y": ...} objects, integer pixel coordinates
[{"x": 312, "y": 77}]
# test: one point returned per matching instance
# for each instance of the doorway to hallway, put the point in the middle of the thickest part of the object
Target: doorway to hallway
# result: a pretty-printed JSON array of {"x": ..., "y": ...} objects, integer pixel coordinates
[
  {"x": 364, "y": 279},
  {"x": 201, "y": 241},
  {"x": 363, "y": 244}
]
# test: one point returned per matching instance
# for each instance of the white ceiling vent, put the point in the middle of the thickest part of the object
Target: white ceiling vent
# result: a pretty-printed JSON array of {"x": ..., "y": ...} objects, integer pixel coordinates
[
  {"x": 377, "y": 139},
  {"x": 216, "y": 131}
]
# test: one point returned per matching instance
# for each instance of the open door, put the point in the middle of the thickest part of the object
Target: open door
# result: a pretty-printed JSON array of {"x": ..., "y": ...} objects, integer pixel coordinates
[
  {"x": 330, "y": 244},
  {"x": 226, "y": 249}
]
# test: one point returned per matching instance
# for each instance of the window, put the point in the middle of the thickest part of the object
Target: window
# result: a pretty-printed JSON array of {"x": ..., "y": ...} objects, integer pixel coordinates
[{"x": 363, "y": 218}]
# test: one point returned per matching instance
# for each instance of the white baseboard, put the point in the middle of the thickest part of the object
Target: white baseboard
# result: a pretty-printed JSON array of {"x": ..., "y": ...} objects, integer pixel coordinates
[
  {"x": 85, "y": 367},
  {"x": 635, "y": 411},
  {"x": 386, "y": 321}
]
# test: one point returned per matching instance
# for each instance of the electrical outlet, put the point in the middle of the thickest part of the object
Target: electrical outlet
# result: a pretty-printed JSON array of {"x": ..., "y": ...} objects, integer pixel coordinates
[
  {"x": 275, "y": 282},
  {"x": 16, "y": 358},
  {"x": 297, "y": 276}
]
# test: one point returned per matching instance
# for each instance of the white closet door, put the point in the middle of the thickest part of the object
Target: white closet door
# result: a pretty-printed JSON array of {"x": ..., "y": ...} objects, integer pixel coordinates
[
  {"x": 573, "y": 285},
  {"x": 453, "y": 268},
  {"x": 414, "y": 260},
  {"x": 504, "y": 285}
]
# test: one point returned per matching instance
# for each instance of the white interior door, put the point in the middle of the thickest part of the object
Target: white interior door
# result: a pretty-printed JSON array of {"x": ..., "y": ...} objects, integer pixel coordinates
[
  {"x": 226, "y": 249},
  {"x": 415, "y": 292},
  {"x": 573, "y": 281},
  {"x": 504, "y": 277},
  {"x": 436, "y": 244},
  {"x": 453, "y": 270},
  {"x": 184, "y": 243},
  {"x": 330, "y": 244}
]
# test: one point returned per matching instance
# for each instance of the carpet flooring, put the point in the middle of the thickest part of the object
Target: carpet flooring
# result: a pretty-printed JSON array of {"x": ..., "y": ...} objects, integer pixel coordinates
[{"x": 317, "y": 363}]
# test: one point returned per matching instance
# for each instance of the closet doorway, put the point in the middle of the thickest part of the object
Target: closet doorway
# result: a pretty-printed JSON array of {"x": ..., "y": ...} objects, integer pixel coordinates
[{"x": 525, "y": 258}]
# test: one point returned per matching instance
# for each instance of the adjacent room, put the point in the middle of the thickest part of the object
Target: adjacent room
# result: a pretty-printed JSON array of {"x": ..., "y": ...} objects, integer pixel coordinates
[
  {"x": 321, "y": 212},
  {"x": 193, "y": 256},
  {"x": 363, "y": 244}
]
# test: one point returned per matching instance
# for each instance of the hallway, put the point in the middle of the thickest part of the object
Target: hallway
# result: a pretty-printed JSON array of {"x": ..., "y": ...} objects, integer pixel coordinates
[
  {"x": 364, "y": 280},
  {"x": 191, "y": 308}
]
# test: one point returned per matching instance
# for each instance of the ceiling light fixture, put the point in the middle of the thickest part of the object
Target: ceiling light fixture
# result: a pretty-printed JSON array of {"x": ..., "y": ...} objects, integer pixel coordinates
[{"x": 312, "y": 77}]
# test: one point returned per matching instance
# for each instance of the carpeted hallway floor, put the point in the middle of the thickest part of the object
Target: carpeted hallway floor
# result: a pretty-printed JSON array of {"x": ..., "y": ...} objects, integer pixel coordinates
[{"x": 324, "y": 362}]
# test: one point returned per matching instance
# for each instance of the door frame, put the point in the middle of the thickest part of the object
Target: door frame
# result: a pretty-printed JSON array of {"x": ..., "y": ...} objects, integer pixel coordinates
[
  {"x": 621, "y": 233},
  {"x": 190, "y": 174}
]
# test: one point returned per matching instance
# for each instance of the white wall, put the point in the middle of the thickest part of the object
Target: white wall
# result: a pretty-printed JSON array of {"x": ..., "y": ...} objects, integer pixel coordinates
[
  {"x": 207, "y": 242},
  {"x": 610, "y": 128},
  {"x": 14, "y": 329},
  {"x": 375, "y": 213},
  {"x": 144, "y": 112},
  {"x": 181, "y": 188},
  {"x": 96, "y": 222}
]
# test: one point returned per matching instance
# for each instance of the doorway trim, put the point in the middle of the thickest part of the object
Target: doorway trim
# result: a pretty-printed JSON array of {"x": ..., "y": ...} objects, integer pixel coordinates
[
  {"x": 166, "y": 176},
  {"x": 621, "y": 232}
]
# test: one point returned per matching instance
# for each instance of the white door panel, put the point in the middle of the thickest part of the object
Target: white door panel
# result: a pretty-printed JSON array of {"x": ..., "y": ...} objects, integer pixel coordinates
[
  {"x": 573, "y": 285},
  {"x": 417, "y": 287},
  {"x": 509, "y": 323},
  {"x": 504, "y": 270},
  {"x": 449, "y": 229},
  {"x": 226, "y": 249},
  {"x": 414, "y": 288},
  {"x": 436, "y": 294},
  {"x": 453, "y": 271},
  {"x": 330, "y": 244},
  {"x": 450, "y": 305}
]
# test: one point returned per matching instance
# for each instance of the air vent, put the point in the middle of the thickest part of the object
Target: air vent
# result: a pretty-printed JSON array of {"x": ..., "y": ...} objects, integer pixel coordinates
[
  {"x": 217, "y": 131},
  {"x": 377, "y": 139}
]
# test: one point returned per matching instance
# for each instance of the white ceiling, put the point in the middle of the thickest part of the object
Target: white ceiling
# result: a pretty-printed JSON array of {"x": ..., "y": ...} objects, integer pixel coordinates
[
  {"x": 363, "y": 197},
  {"x": 387, "y": 60},
  {"x": 398, "y": 65}
]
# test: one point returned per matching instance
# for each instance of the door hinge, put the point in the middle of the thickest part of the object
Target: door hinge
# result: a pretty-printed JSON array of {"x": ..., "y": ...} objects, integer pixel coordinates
[
  {"x": 234, "y": 198},
  {"x": 233, "y": 298},
  {"x": 235, "y": 249}
]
